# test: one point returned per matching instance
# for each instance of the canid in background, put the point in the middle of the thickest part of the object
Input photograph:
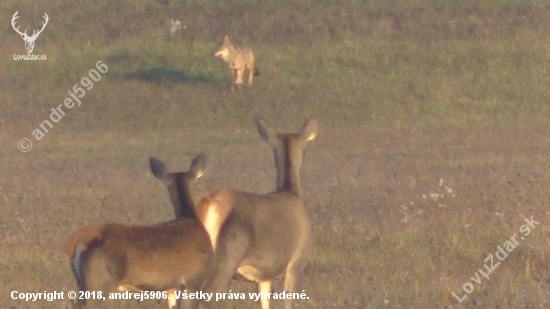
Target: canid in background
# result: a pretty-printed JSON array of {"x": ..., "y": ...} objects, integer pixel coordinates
[{"x": 239, "y": 59}]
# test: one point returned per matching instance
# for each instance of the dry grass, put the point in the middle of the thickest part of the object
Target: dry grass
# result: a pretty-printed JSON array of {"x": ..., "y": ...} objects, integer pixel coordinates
[{"x": 407, "y": 93}]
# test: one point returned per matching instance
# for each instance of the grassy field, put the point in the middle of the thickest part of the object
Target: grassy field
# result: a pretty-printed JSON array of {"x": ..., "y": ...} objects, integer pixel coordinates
[{"x": 434, "y": 142}]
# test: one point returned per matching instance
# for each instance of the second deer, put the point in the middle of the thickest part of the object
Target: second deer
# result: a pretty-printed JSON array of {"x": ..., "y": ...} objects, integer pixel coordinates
[
  {"x": 169, "y": 256},
  {"x": 266, "y": 236}
]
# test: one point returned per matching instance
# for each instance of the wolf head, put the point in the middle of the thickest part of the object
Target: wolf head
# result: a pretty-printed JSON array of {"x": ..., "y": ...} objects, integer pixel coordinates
[{"x": 224, "y": 49}]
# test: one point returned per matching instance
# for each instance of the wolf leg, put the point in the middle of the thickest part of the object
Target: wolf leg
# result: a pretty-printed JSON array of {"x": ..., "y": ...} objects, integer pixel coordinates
[
  {"x": 240, "y": 74},
  {"x": 250, "y": 74}
]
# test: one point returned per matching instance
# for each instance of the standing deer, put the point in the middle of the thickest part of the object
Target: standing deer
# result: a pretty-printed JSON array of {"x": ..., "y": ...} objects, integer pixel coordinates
[
  {"x": 266, "y": 236},
  {"x": 168, "y": 256},
  {"x": 29, "y": 40}
]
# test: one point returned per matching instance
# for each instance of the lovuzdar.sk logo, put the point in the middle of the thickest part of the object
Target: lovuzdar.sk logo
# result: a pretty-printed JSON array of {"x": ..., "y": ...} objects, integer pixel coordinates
[{"x": 29, "y": 40}]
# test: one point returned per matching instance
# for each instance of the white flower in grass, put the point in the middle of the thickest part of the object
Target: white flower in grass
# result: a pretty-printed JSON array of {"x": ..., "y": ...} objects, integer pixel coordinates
[
  {"x": 175, "y": 26},
  {"x": 440, "y": 194}
]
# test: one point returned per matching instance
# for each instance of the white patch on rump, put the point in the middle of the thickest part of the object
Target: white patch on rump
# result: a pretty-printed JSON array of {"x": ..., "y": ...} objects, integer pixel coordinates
[
  {"x": 212, "y": 211},
  {"x": 212, "y": 223}
]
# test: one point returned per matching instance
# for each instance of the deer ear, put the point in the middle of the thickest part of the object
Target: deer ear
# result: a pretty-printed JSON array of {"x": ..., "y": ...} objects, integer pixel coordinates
[
  {"x": 309, "y": 130},
  {"x": 198, "y": 166},
  {"x": 265, "y": 131},
  {"x": 158, "y": 168},
  {"x": 226, "y": 39}
]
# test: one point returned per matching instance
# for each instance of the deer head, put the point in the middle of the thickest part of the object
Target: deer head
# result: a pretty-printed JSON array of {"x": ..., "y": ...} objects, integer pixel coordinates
[{"x": 29, "y": 40}]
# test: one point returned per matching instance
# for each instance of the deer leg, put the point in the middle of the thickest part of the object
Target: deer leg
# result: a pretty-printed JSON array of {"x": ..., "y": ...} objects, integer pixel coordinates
[
  {"x": 293, "y": 275},
  {"x": 172, "y": 301},
  {"x": 230, "y": 253},
  {"x": 190, "y": 303},
  {"x": 264, "y": 288}
]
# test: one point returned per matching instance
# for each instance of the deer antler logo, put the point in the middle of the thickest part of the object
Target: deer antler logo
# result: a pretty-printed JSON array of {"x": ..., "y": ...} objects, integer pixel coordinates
[{"x": 29, "y": 40}]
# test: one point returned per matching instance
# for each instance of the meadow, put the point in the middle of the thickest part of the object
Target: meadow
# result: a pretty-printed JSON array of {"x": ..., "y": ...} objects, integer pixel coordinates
[{"x": 433, "y": 145}]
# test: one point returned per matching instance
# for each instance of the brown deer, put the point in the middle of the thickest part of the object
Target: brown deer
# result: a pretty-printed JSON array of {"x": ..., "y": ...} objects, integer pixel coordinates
[
  {"x": 168, "y": 256},
  {"x": 266, "y": 236}
]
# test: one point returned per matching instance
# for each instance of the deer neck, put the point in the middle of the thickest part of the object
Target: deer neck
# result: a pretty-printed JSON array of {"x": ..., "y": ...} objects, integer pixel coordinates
[
  {"x": 180, "y": 195},
  {"x": 288, "y": 171}
]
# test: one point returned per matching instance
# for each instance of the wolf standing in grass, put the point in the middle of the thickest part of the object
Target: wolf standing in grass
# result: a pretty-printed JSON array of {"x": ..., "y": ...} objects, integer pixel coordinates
[{"x": 239, "y": 59}]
